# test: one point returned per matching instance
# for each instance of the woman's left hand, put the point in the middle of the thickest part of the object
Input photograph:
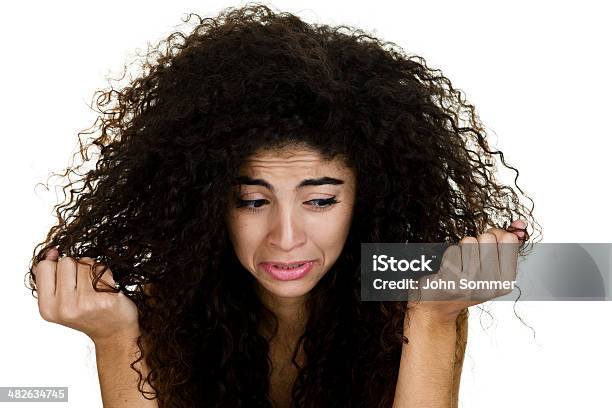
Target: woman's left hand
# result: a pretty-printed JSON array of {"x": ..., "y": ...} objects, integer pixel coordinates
[{"x": 490, "y": 257}]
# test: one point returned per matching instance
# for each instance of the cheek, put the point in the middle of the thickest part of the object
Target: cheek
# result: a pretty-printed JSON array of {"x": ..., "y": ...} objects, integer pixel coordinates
[
  {"x": 246, "y": 235},
  {"x": 330, "y": 233}
]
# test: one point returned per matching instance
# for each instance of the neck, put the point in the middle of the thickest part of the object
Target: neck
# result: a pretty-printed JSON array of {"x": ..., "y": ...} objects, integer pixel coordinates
[{"x": 290, "y": 311}]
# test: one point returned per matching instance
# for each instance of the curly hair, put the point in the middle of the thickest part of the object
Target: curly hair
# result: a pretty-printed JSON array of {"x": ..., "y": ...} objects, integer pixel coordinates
[{"x": 170, "y": 142}]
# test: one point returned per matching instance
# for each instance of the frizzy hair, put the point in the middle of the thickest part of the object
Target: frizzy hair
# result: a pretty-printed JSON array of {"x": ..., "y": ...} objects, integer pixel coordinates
[{"x": 170, "y": 142}]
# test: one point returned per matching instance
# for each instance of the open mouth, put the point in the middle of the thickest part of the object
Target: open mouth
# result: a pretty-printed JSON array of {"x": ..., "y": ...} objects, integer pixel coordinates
[
  {"x": 292, "y": 266},
  {"x": 285, "y": 272}
]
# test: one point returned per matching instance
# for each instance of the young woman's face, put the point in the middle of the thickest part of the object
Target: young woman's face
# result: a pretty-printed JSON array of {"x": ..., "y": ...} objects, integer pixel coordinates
[{"x": 285, "y": 210}]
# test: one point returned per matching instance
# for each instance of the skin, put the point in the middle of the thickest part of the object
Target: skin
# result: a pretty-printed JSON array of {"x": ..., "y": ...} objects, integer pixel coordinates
[
  {"x": 425, "y": 376},
  {"x": 287, "y": 228},
  {"x": 66, "y": 296},
  {"x": 290, "y": 225}
]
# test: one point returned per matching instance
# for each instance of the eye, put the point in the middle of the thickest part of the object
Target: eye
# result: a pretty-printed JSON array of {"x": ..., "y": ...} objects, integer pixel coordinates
[
  {"x": 251, "y": 205},
  {"x": 322, "y": 203},
  {"x": 318, "y": 204}
]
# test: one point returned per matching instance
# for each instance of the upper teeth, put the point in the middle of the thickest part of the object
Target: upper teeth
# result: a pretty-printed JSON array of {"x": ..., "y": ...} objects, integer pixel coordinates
[{"x": 289, "y": 267}]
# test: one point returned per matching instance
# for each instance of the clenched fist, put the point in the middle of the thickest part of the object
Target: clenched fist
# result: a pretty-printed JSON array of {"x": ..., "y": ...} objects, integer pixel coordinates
[
  {"x": 477, "y": 270},
  {"x": 66, "y": 296}
]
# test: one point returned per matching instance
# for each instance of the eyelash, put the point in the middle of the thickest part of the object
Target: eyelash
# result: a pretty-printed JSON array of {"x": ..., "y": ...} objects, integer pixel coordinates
[{"x": 328, "y": 202}]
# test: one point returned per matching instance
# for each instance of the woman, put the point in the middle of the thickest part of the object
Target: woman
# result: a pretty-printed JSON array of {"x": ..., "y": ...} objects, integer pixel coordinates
[{"x": 259, "y": 140}]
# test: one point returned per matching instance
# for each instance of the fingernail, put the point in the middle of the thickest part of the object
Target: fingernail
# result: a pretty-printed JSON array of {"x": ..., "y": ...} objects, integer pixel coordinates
[{"x": 51, "y": 253}]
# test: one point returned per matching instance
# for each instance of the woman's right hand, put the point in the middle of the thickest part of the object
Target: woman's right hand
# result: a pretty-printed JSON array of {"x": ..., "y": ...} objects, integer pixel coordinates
[{"x": 66, "y": 296}]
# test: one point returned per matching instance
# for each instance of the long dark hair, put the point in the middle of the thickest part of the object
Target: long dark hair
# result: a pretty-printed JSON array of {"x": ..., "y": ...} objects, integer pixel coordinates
[{"x": 170, "y": 142}]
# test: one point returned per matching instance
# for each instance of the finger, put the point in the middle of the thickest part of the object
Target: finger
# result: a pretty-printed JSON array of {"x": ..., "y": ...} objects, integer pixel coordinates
[
  {"x": 45, "y": 287},
  {"x": 470, "y": 257},
  {"x": 508, "y": 256},
  {"x": 450, "y": 271},
  {"x": 498, "y": 232},
  {"x": 451, "y": 266},
  {"x": 66, "y": 278},
  {"x": 84, "y": 275},
  {"x": 520, "y": 226},
  {"x": 495, "y": 271},
  {"x": 489, "y": 260},
  {"x": 86, "y": 272},
  {"x": 107, "y": 276},
  {"x": 454, "y": 274},
  {"x": 44, "y": 271},
  {"x": 52, "y": 254},
  {"x": 489, "y": 266}
]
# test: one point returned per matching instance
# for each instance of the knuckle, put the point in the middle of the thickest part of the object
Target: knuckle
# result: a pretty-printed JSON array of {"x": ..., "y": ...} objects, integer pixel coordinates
[
  {"x": 64, "y": 263},
  {"x": 103, "y": 284},
  {"x": 105, "y": 268},
  {"x": 487, "y": 237},
  {"x": 509, "y": 237},
  {"x": 86, "y": 262},
  {"x": 67, "y": 313},
  {"x": 84, "y": 271},
  {"x": 90, "y": 304},
  {"x": 64, "y": 259},
  {"x": 106, "y": 303},
  {"x": 86, "y": 306},
  {"x": 468, "y": 240},
  {"x": 43, "y": 266}
]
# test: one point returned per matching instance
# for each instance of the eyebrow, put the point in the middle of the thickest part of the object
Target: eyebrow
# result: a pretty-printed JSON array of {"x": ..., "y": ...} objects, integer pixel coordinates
[{"x": 307, "y": 182}]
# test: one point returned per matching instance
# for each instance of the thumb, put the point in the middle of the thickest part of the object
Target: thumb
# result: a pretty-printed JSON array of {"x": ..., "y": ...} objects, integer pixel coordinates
[
  {"x": 52, "y": 254},
  {"x": 518, "y": 227}
]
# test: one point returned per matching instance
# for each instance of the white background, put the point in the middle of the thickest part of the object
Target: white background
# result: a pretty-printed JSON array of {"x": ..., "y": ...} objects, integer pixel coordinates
[{"x": 538, "y": 74}]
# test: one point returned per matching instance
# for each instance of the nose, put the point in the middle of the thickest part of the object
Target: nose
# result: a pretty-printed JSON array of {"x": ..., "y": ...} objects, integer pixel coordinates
[{"x": 287, "y": 229}]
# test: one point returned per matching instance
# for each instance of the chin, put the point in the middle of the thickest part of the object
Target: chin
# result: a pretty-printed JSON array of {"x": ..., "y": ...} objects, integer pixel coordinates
[{"x": 288, "y": 289}]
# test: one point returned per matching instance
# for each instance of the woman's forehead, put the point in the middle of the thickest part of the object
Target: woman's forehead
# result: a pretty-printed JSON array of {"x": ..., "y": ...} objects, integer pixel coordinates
[
  {"x": 286, "y": 152},
  {"x": 295, "y": 158}
]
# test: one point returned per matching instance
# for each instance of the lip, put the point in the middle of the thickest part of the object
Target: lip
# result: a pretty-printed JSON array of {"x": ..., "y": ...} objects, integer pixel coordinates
[{"x": 287, "y": 275}]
